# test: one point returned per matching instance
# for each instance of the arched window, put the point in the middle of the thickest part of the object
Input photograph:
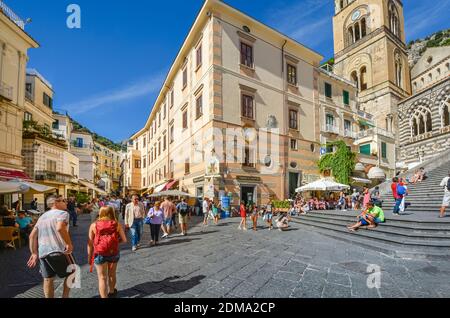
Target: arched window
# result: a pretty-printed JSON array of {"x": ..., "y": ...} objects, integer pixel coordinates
[
  {"x": 398, "y": 70},
  {"x": 430, "y": 77},
  {"x": 415, "y": 129},
  {"x": 354, "y": 77},
  {"x": 448, "y": 66},
  {"x": 363, "y": 78},
  {"x": 415, "y": 86},
  {"x": 394, "y": 21},
  {"x": 342, "y": 4},
  {"x": 357, "y": 32},
  {"x": 439, "y": 72},
  {"x": 363, "y": 27},
  {"x": 429, "y": 122},
  {"x": 350, "y": 37},
  {"x": 421, "y": 125},
  {"x": 446, "y": 116}
]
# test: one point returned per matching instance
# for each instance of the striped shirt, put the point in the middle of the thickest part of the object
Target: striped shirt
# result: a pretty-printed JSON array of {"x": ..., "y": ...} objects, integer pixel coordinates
[{"x": 49, "y": 239}]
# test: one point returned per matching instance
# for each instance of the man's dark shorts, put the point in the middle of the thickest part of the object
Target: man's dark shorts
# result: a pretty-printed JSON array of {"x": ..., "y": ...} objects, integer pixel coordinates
[{"x": 56, "y": 264}]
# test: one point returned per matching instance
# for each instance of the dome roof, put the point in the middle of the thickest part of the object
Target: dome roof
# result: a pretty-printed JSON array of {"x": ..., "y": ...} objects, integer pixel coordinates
[{"x": 376, "y": 173}]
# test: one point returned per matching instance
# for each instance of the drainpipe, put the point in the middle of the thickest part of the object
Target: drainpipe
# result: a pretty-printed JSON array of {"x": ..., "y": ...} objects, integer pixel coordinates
[{"x": 285, "y": 174}]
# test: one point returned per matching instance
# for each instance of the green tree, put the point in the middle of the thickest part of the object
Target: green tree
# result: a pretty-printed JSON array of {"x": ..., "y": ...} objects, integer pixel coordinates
[{"x": 341, "y": 163}]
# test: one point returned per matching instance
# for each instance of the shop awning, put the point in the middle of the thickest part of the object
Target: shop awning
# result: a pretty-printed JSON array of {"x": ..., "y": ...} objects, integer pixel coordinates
[
  {"x": 13, "y": 174},
  {"x": 92, "y": 186},
  {"x": 366, "y": 123},
  {"x": 170, "y": 185},
  {"x": 148, "y": 191},
  {"x": 161, "y": 187}
]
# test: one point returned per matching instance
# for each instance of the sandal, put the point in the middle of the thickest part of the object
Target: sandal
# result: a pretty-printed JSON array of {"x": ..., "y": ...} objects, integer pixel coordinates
[{"x": 114, "y": 294}]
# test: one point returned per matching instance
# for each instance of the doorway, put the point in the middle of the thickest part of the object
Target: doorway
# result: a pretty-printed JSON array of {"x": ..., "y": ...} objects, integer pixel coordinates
[
  {"x": 248, "y": 194},
  {"x": 293, "y": 183},
  {"x": 199, "y": 192}
]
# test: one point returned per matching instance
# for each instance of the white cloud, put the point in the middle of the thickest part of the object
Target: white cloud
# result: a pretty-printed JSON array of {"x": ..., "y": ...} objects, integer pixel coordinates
[
  {"x": 122, "y": 94},
  {"x": 304, "y": 21}
]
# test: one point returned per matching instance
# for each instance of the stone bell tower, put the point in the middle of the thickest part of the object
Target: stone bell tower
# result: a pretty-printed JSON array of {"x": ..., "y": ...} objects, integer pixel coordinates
[{"x": 370, "y": 50}]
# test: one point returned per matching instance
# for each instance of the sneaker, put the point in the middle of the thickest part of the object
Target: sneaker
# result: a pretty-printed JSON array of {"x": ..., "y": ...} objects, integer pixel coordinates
[
  {"x": 134, "y": 249},
  {"x": 164, "y": 235}
]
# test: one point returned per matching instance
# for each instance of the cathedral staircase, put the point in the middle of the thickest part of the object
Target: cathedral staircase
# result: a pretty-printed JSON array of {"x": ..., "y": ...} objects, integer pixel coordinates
[{"x": 418, "y": 233}]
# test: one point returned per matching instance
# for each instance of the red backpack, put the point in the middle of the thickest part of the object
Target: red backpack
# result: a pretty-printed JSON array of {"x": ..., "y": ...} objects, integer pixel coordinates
[{"x": 106, "y": 242}]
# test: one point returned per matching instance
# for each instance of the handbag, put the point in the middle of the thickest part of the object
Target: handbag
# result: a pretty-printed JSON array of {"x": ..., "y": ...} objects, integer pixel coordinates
[{"x": 147, "y": 220}]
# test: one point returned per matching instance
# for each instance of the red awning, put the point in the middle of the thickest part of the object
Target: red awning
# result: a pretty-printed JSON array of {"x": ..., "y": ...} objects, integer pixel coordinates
[
  {"x": 170, "y": 185},
  {"x": 13, "y": 174}
]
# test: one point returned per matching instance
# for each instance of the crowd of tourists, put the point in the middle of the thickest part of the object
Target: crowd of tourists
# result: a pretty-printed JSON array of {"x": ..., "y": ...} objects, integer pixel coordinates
[{"x": 51, "y": 245}]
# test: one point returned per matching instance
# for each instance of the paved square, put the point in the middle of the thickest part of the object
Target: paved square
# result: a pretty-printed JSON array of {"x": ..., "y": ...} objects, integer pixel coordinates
[{"x": 225, "y": 262}]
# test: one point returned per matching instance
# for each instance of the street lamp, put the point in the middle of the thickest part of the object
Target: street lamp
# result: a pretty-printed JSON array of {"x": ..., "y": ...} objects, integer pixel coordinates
[{"x": 35, "y": 148}]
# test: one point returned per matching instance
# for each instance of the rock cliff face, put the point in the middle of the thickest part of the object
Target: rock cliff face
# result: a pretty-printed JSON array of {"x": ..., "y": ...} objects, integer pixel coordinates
[{"x": 417, "y": 48}]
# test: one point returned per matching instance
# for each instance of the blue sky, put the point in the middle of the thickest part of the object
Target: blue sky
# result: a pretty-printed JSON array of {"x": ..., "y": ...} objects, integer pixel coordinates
[{"x": 108, "y": 74}]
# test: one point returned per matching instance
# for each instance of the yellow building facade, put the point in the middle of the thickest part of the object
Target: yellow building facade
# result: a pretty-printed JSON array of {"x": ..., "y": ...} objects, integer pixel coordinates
[{"x": 14, "y": 45}]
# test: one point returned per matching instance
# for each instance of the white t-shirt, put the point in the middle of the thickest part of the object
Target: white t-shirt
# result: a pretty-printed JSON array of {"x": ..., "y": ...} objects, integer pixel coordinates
[
  {"x": 205, "y": 206},
  {"x": 49, "y": 239},
  {"x": 444, "y": 184}
]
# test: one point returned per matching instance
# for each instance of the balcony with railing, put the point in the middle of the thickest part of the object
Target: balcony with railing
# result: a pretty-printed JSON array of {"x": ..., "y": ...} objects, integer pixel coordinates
[
  {"x": 12, "y": 15},
  {"x": 6, "y": 91},
  {"x": 365, "y": 115},
  {"x": 331, "y": 129},
  {"x": 350, "y": 134},
  {"x": 375, "y": 131},
  {"x": 52, "y": 176}
]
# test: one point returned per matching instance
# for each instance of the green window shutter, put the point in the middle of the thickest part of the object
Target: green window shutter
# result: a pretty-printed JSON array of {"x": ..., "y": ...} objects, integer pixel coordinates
[
  {"x": 346, "y": 96},
  {"x": 384, "y": 150},
  {"x": 365, "y": 149},
  {"x": 328, "y": 90}
]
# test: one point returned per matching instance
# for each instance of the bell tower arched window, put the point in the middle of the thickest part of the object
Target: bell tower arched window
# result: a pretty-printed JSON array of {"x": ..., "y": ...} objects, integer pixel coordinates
[
  {"x": 363, "y": 78},
  {"x": 398, "y": 70},
  {"x": 363, "y": 27},
  {"x": 354, "y": 77},
  {"x": 394, "y": 21}
]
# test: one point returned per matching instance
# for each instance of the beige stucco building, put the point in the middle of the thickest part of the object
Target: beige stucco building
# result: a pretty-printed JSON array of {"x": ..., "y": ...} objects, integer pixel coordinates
[
  {"x": 46, "y": 152},
  {"x": 233, "y": 72},
  {"x": 14, "y": 45}
]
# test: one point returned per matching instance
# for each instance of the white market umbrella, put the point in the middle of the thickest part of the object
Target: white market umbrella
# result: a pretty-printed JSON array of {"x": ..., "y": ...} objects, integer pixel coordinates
[
  {"x": 12, "y": 187},
  {"x": 323, "y": 185},
  {"x": 171, "y": 193}
]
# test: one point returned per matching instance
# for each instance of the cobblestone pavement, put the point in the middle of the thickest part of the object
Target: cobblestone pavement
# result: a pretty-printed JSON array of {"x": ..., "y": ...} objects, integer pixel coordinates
[{"x": 225, "y": 262}]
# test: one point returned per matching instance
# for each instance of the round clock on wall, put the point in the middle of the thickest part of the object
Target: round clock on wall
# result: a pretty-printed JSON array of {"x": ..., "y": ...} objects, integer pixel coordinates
[{"x": 356, "y": 15}]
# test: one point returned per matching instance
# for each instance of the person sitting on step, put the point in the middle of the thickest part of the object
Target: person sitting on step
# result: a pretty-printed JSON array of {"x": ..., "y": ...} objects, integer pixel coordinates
[{"x": 372, "y": 216}]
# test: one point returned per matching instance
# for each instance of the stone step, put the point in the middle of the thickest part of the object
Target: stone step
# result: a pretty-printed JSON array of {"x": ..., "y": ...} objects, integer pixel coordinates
[
  {"x": 376, "y": 237},
  {"x": 397, "y": 251},
  {"x": 394, "y": 231},
  {"x": 418, "y": 220},
  {"x": 414, "y": 227}
]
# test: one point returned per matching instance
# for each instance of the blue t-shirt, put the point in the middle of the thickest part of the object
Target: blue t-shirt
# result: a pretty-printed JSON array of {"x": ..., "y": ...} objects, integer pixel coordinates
[{"x": 23, "y": 223}]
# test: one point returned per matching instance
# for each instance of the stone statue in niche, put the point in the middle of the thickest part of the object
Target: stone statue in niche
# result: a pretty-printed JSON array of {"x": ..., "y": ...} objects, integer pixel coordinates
[{"x": 271, "y": 122}]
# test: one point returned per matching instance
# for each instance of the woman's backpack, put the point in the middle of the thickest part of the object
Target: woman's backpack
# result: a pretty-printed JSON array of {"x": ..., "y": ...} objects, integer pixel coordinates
[{"x": 106, "y": 242}]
